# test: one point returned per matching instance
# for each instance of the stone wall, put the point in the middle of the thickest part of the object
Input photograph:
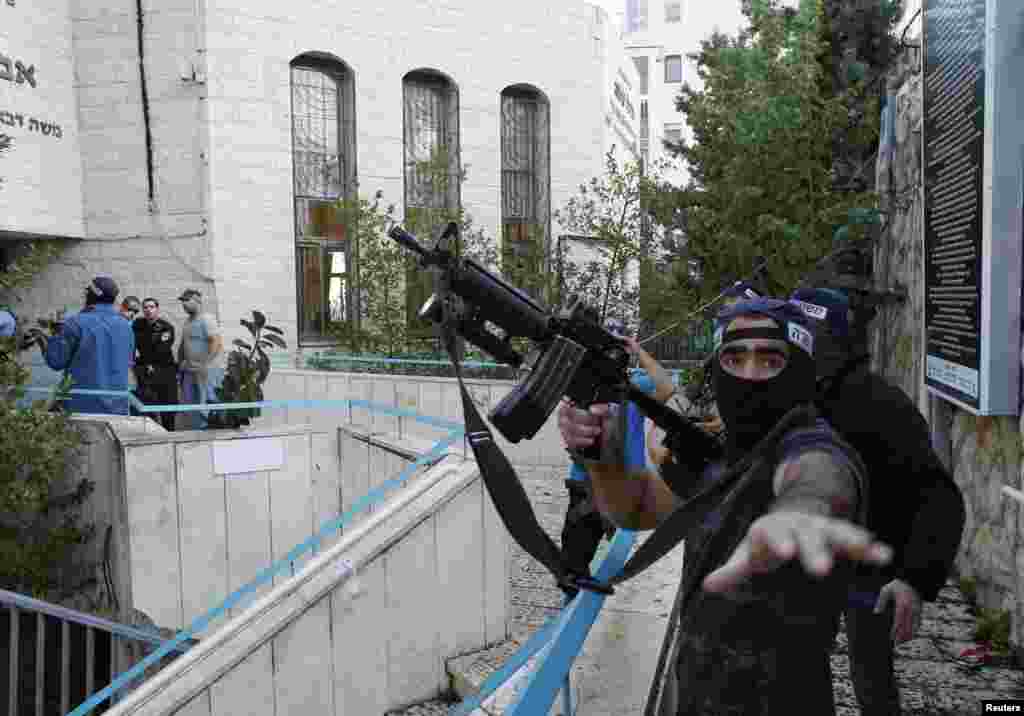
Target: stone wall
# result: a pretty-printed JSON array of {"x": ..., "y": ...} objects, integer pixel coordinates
[
  {"x": 983, "y": 452},
  {"x": 219, "y": 106}
]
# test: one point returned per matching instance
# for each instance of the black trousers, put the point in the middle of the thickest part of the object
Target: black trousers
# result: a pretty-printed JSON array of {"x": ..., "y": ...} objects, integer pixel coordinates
[
  {"x": 871, "y": 652},
  {"x": 581, "y": 533},
  {"x": 159, "y": 386}
]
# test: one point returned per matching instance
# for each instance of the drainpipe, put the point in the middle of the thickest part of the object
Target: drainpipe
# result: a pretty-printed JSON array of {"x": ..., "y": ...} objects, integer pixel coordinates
[{"x": 144, "y": 90}]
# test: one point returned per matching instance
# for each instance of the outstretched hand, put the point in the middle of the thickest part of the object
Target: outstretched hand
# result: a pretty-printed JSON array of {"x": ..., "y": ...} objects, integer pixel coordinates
[{"x": 779, "y": 537}]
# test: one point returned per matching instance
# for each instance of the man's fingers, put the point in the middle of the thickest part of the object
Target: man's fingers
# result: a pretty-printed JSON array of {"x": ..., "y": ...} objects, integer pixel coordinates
[
  {"x": 733, "y": 572},
  {"x": 580, "y": 428},
  {"x": 815, "y": 554},
  {"x": 901, "y": 622},
  {"x": 772, "y": 542},
  {"x": 884, "y": 597}
]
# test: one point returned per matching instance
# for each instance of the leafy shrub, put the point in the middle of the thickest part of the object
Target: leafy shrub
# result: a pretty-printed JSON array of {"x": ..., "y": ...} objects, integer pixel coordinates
[
  {"x": 247, "y": 370},
  {"x": 40, "y": 501}
]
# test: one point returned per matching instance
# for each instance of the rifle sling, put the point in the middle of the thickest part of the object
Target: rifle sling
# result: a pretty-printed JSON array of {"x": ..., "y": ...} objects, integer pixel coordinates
[{"x": 517, "y": 514}]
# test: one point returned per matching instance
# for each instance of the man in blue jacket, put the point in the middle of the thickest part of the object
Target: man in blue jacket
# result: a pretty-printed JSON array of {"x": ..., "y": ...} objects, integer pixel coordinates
[{"x": 94, "y": 347}]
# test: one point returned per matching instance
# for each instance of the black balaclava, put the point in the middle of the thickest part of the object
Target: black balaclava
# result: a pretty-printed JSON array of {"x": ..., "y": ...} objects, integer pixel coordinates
[{"x": 751, "y": 408}]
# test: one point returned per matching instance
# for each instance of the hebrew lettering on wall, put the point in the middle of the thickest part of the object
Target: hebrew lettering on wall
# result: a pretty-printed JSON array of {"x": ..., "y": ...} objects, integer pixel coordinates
[
  {"x": 18, "y": 120},
  {"x": 17, "y": 71}
]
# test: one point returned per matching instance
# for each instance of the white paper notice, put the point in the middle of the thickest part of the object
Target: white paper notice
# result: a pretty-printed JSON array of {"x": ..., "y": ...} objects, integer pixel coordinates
[{"x": 252, "y": 455}]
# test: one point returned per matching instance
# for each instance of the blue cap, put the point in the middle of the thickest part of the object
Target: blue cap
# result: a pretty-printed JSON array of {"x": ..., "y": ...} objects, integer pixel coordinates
[
  {"x": 102, "y": 289},
  {"x": 825, "y": 304}
]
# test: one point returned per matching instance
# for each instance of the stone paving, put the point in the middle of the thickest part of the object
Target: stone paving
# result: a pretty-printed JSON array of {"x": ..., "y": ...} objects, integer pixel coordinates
[{"x": 614, "y": 671}]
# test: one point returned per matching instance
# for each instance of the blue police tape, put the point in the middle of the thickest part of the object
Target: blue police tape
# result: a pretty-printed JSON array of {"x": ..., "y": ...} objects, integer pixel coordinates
[
  {"x": 491, "y": 684},
  {"x": 264, "y": 404},
  {"x": 567, "y": 639},
  {"x": 404, "y": 361},
  {"x": 550, "y": 676},
  {"x": 235, "y": 598}
]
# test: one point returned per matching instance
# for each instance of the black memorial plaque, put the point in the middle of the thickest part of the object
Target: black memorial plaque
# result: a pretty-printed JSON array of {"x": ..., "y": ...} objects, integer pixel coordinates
[{"x": 954, "y": 145}]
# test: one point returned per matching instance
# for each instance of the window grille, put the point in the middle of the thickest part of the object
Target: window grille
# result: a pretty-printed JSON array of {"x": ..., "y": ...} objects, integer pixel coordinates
[
  {"x": 432, "y": 172},
  {"x": 525, "y": 185},
  {"x": 323, "y": 159}
]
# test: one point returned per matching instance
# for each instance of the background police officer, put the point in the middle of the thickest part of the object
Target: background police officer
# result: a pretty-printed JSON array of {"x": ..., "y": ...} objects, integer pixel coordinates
[{"x": 155, "y": 368}]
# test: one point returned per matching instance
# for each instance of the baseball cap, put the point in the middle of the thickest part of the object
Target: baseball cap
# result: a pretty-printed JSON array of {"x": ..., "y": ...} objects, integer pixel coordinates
[
  {"x": 102, "y": 289},
  {"x": 743, "y": 290},
  {"x": 825, "y": 304},
  {"x": 190, "y": 293}
]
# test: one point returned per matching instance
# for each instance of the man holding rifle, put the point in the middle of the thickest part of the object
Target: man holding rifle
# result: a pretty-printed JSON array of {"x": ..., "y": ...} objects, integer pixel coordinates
[
  {"x": 766, "y": 581},
  {"x": 584, "y": 526}
]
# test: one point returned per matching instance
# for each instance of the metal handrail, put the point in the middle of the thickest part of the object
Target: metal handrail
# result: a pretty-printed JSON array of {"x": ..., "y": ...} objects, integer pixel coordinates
[
  {"x": 28, "y": 604},
  {"x": 16, "y": 604}
]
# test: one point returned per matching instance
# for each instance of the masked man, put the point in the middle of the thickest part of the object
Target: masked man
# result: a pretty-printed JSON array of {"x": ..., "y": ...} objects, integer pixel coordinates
[
  {"x": 916, "y": 507},
  {"x": 762, "y": 586},
  {"x": 155, "y": 369},
  {"x": 95, "y": 348}
]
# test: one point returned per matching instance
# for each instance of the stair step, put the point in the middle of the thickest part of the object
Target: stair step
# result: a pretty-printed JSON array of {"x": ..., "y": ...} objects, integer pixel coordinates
[{"x": 467, "y": 674}]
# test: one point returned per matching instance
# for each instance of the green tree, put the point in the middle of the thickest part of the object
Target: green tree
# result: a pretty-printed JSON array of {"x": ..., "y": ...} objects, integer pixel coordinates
[
  {"x": 765, "y": 123},
  {"x": 440, "y": 205},
  {"x": 609, "y": 220},
  {"x": 382, "y": 325},
  {"x": 40, "y": 498},
  {"x": 391, "y": 287}
]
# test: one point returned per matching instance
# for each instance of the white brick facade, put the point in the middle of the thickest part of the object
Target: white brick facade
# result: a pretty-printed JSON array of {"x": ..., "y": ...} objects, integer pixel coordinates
[{"x": 219, "y": 106}]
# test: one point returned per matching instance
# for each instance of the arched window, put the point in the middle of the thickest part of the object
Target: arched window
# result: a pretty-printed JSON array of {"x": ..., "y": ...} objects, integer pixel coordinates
[
  {"x": 433, "y": 174},
  {"x": 324, "y": 162},
  {"x": 525, "y": 185}
]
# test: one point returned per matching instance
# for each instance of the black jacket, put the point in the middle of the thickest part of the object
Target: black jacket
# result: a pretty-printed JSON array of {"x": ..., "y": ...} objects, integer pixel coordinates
[
  {"x": 154, "y": 342},
  {"x": 915, "y": 506}
]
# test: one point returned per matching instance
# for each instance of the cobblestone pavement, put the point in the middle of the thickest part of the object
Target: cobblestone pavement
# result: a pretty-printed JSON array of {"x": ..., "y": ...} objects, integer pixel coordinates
[{"x": 933, "y": 679}]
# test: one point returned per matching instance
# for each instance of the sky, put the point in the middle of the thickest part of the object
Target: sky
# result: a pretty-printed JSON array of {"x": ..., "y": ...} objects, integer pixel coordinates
[{"x": 700, "y": 16}]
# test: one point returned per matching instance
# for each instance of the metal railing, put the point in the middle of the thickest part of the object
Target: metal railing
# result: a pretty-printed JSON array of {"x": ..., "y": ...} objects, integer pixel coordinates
[
  {"x": 284, "y": 566},
  {"x": 70, "y": 650}
]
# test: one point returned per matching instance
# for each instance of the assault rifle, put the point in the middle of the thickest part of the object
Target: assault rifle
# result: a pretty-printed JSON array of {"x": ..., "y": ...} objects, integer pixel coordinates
[{"x": 578, "y": 358}]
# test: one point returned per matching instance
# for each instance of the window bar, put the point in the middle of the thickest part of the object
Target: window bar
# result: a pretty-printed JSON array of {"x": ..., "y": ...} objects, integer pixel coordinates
[
  {"x": 40, "y": 661},
  {"x": 13, "y": 665},
  {"x": 65, "y": 666},
  {"x": 90, "y": 661}
]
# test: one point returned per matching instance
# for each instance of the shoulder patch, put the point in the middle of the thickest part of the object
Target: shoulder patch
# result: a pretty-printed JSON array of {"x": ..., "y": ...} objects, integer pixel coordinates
[{"x": 801, "y": 337}]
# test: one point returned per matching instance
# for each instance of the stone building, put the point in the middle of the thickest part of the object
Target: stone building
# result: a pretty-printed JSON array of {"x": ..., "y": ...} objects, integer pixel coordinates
[{"x": 201, "y": 144}]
